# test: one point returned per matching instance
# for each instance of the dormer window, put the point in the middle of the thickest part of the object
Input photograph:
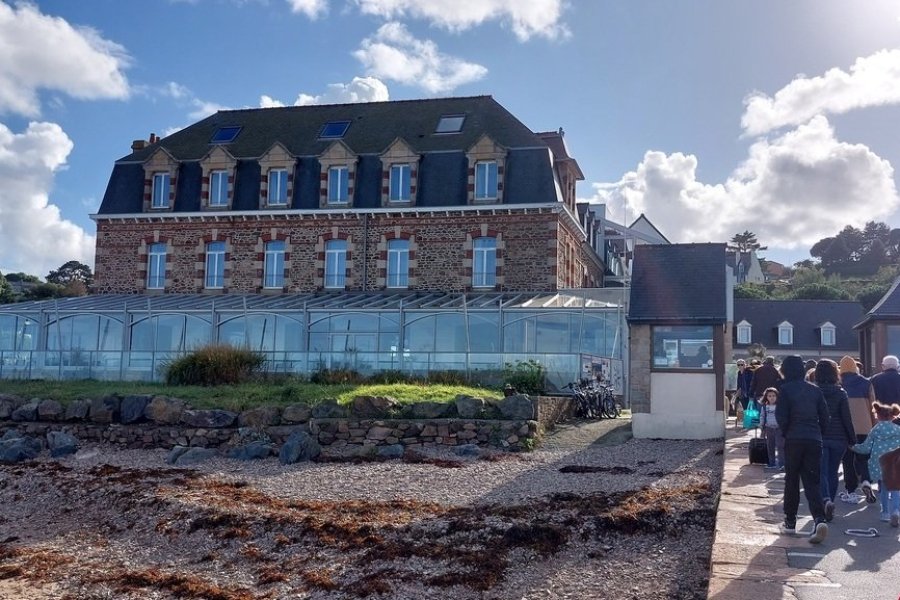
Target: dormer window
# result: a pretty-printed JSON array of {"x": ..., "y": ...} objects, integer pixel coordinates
[
  {"x": 450, "y": 124},
  {"x": 785, "y": 334},
  {"x": 828, "y": 334},
  {"x": 400, "y": 184},
  {"x": 218, "y": 188},
  {"x": 486, "y": 171},
  {"x": 486, "y": 180},
  {"x": 337, "y": 176},
  {"x": 338, "y": 185},
  {"x": 744, "y": 333},
  {"x": 160, "y": 190},
  {"x": 277, "y": 187},
  {"x": 399, "y": 172}
]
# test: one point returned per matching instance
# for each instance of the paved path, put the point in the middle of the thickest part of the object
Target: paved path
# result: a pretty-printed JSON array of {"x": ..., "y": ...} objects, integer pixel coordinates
[
  {"x": 575, "y": 435},
  {"x": 751, "y": 560}
]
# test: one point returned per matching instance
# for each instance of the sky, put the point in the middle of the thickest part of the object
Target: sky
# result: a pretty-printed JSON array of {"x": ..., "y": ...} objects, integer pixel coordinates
[{"x": 710, "y": 117}]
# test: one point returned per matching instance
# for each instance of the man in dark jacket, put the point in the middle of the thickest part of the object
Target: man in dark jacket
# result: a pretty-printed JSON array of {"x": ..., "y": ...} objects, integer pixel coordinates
[
  {"x": 887, "y": 383},
  {"x": 764, "y": 377},
  {"x": 803, "y": 418}
]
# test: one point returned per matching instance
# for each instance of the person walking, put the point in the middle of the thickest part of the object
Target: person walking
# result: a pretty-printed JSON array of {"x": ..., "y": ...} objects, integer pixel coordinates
[
  {"x": 884, "y": 437},
  {"x": 861, "y": 397},
  {"x": 803, "y": 417},
  {"x": 838, "y": 436},
  {"x": 764, "y": 377},
  {"x": 744, "y": 377},
  {"x": 887, "y": 383},
  {"x": 768, "y": 422}
]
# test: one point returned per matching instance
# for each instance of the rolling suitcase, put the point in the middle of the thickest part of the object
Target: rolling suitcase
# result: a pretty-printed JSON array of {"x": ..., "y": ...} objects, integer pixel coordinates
[{"x": 759, "y": 452}]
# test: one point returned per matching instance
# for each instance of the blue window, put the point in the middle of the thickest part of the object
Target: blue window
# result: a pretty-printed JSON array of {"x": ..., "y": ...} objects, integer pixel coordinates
[
  {"x": 450, "y": 124},
  {"x": 156, "y": 267},
  {"x": 277, "y": 193},
  {"x": 338, "y": 185},
  {"x": 401, "y": 184},
  {"x": 398, "y": 264},
  {"x": 273, "y": 276},
  {"x": 486, "y": 179},
  {"x": 215, "y": 265},
  {"x": 335, "y": 263},
  {"x": 224, "y": 135},
  {"x": 484, "y": 262},
  {"x": 160, "y": 190},
  {"x": 218, "y": 188},
  {"x": 334, "y": 130}
]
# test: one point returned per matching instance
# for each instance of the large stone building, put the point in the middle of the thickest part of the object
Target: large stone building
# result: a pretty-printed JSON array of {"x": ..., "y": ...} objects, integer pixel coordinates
[{"x": 448, "y": 195}]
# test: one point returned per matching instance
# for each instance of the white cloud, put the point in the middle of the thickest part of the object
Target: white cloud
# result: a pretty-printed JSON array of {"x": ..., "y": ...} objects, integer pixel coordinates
[
  {"x": 526, "y": 17},
  {"x": 395, "y": 54},
  {"x": 872, "y": 81},
  {"x": 790, "y": 191},
  {"x": 38, "y": 52},
  {"x": 269, "y": 102},
  {"x": 35, "y": 237},
  {"x": 204, "y": 108},
  {"x": 360, "y": 89},
  {"x": 311, "y": 8}
]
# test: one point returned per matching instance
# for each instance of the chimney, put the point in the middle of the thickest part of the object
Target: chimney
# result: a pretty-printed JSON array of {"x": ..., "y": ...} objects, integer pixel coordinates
[
  {"x": 153, "y": 138},
  {"x": 138, "y": 145}
]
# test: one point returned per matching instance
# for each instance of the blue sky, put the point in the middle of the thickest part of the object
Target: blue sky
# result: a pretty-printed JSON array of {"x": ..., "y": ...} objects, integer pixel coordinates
[{"x": 710, "y": 117}]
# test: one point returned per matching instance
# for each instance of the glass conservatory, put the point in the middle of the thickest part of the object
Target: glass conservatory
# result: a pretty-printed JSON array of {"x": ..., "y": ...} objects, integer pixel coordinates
[{"x": 126, "y": 337}]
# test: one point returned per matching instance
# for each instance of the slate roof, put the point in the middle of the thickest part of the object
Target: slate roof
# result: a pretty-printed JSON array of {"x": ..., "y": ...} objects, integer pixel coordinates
[
  {"x": 806, "y": 316},
  {"x": 887, "y": 308},
  {"x": 675, "y": 283}
]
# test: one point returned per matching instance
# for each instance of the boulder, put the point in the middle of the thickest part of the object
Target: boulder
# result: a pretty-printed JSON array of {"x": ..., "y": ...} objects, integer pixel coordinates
[
  {"x": 50, "y": 410},
  {"x": 61, "y": 443},
  {"x": 11, "y": 434},
  {"x": 373, "y": 407},
  {"x": 296, "y": 413},
  {"x": 379, "y": 433},
  {"x": 77, "y": 410},
  {"x": 208, "y": 419},
  {"x": 9, "y": 403},
  {"x": 251, "y": 451},
  {"x": 182, "y": 456},
  {"x": 164, "y": 411},
  {"x": 18, "y": 449},
  {"x": 175, "y": 453},
  {"x": 430, "y": 410},
  {"x": 26, "y": 412},
  {"x": 467, "y": 450},
  {"x": 132, "y": 408},
  {"x": 469, "y": 407},
  {"x": 301, "y": 446},
  {"x": 105, "y": 410},
  {"x": 391, "y": 451},
  {"x": 264, "y": 416},
  {"x": 517, "y": 406},
  {"x": 329, "y": 409}
]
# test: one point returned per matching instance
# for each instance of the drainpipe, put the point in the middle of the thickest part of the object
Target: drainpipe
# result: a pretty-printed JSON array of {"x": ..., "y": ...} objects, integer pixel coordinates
[{"x": 365, "y": 250}]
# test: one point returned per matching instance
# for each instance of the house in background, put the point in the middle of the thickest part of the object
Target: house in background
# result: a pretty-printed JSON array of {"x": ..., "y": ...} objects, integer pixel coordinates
[
  {"x": 775, "y": 271},
  {"x": 811, "y": 328},
  {"x": 746, "y": 266},
  {"x": 879, "y": 330}
]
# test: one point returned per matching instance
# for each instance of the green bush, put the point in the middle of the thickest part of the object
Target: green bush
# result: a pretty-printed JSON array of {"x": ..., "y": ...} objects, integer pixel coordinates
[
  {"x": 216, "y": 364},
  {"x": 337, "y": 376},
  {"x": 447, "y": 378},
  {"x": 526, "y": 376}
]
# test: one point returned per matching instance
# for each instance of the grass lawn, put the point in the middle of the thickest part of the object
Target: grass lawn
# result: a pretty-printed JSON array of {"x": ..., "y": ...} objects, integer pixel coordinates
[{"x": 238, "y": 397}]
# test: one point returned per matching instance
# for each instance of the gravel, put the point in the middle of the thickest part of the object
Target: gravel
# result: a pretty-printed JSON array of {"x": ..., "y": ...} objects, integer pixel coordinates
[{"x": 575, "y": 520}]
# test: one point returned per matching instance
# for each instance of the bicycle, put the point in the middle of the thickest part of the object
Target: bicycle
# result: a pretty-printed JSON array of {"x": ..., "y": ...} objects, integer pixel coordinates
[
  {"x": 608, "y": 406},
  {"x": 583, "y": 409}
]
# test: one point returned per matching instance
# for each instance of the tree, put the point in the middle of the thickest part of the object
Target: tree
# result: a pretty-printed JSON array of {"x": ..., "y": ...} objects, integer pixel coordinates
[
  {"x": 820, "y": 291},
  {"x": 69, "y": 272},
  {"x": 870, "y": 295},
  {"x": 23, "y": 277},
  {"x": 6, "y": 291},
  {"x": 750, "y": 291},
  {"x": 745, "y": 242},
  {"x": 44, "y": 291}
]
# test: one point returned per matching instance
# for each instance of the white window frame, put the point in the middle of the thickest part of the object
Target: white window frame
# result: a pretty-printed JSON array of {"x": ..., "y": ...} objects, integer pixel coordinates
[
  {"x": 483, "y": 188},
  {"x": 483, "y": 254},
  {"x": 785, "y": 332},
  {"x": 276, "y": 194},
  {"x": 831, "y": 330},
  {"x": 160, "y": 192},
  {"x": 273, "y": 266},
  {"x": 335, "y": 276},
  {"x": 156, "y": 266},
  {"x": 398, "y": 263},
  {"x": 218, "y": 188},
  {"x": 339, "y": 184},
  {"x": 744, "y": 333},
  {"x": 398, "y": 190},
  {"x": 214, "y": 278}
]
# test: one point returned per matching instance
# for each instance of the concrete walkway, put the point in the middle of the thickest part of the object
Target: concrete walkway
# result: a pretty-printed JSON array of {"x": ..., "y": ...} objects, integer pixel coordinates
[{"x": 751, "y": 560}]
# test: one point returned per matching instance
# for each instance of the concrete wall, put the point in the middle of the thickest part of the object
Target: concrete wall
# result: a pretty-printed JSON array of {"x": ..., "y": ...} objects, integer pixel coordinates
[{"x": 683, "y": 407}]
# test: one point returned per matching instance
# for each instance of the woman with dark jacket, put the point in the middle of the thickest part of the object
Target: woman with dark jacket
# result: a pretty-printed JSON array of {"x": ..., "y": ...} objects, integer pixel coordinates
[{"x": 838, "y": 436}]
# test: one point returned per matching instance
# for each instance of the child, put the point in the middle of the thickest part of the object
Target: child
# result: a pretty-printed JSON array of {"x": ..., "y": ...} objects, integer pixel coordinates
[
  {"x": 884, "y": 437},
  {"x": 769, "y": 426}
]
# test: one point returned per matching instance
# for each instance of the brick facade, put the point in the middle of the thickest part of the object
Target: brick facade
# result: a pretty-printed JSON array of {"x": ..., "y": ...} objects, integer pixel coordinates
[{"x": 537, "y": 249}]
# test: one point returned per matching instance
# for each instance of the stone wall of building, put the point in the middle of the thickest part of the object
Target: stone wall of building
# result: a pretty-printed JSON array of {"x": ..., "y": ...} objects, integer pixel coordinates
[{"x": 641, "y": 349}]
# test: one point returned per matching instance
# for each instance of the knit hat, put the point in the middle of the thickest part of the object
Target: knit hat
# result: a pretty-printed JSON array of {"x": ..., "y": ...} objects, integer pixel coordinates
[
  {"x": 848, "y": 365},
  {"x": 890, "y": 362}
]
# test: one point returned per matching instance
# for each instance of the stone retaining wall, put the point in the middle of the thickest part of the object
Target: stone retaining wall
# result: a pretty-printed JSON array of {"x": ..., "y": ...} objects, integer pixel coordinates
[{"x": 554, "y": 409}]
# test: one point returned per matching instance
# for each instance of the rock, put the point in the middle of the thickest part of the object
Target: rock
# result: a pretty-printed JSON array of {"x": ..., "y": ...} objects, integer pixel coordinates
[
  {"x": 9, "y": 403},
  {"x": 251, "y": 451},
  {"x": 467, "y": 450},
  {"x": 132, "y": 408},
  {"x": 517, "y": 406},
  {"x": 329, "y": 409},
  {"x": 77, "y": 410},
  {"x": 181, "y": 456},
  {"x": 296, "y": 413},
  {"x": 11, "y": 434},
  {"x": 373, "y": 407},
  {"x": 105, "y": 410},
  {"x": 301, "y": 446},
  {"x": 264, "y": 416},
  {"x": 252, "y": 434},
  {"x": 61, "y": 444},
  {"x": 26, "y": 412},
  {"x": 164, "y": 411},
  {"x": 430, "y": 410},
  {"x": 378, "y": 433},
  {"x": 392, "y": 451},
  {"x": 469, "y": 407},
  {"x": 18, "y": 449},
  {"x": 175, "y": 453},
  {"x": 208, "y": 419}
]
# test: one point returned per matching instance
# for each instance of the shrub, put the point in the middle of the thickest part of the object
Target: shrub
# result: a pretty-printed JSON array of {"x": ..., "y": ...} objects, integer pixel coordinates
[
  {"x": 215, "y": 364},
  {"x": 336, "y": 376},
  {"x": 447, "y": 378},
  {"x": 389, "y": 377},
  {"x": 526, "y": 376}
]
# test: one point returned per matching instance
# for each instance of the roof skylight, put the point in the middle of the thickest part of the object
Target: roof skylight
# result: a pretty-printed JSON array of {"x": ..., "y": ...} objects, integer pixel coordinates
[
  {"x": 224, "y": 135},
  {"x": 334, "y": 129},
  {"x": 450, "y": 124}
]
